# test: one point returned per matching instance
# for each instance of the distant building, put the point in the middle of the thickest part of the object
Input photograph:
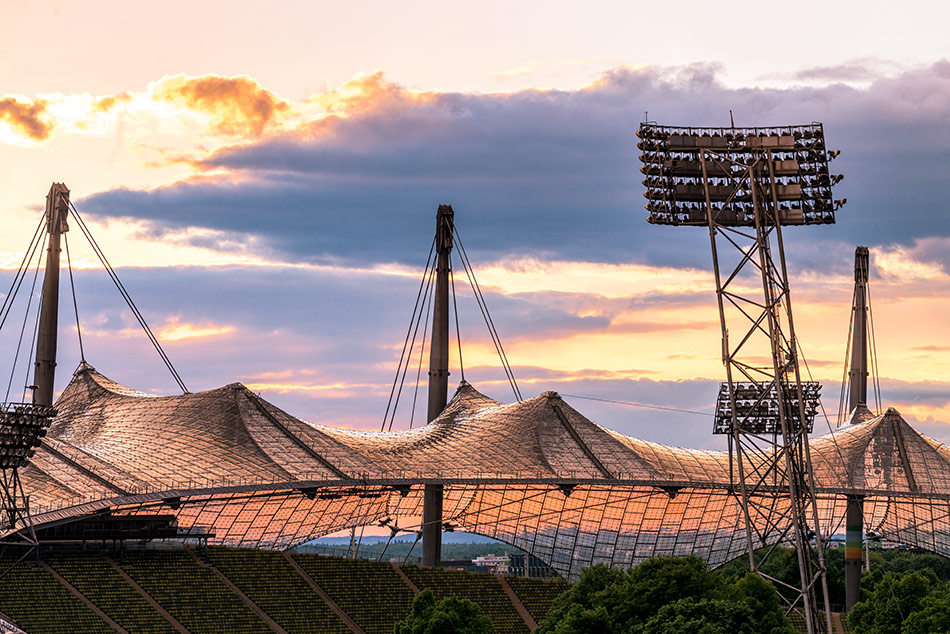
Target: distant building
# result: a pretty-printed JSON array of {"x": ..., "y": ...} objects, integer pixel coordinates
[
  {"x": 491, "y": 563},
  {"x": 456, "y": 564},
  {"x": 536, "y": 567}
]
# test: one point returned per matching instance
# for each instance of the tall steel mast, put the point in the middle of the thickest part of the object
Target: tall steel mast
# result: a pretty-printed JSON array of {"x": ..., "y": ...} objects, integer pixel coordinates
[
  {"x": 857, "y": 400},
  {"x": 744, "y": 185},
  {"x": 438, "y": 378},
  {"x": 57, "y": 209},
  {"x": 23, "y": 425}
]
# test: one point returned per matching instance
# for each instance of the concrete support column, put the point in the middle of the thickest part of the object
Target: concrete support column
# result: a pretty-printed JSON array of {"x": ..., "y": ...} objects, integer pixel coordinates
[{"x": 853, "y": 550}]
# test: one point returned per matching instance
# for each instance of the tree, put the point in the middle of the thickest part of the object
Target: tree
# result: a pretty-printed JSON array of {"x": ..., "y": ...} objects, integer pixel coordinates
[
  {"x": 889, "y": 599},
  {"x": 448, "y": 616},
  {"x": 701, "y": 616},
  {"x": 760, "y": 597},
  {"x": 582, "y": 609},
  {"x": 664, "y": 590},
  {"x": 933, "y": 617}
]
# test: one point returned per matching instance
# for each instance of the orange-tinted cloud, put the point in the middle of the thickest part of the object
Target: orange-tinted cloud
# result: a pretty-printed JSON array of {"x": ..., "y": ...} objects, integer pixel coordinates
[
  {"x": 367, "y": 92},
  {"x": 177, "y": 331},
  {"x": 25, "y": 118},
  {"x": 238, "y": 105},
  {"x": 104, "y": 104}
]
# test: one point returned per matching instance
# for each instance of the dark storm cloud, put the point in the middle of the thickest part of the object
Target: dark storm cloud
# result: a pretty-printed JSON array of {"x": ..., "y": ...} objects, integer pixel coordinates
[{"x": 555, "y": 173}]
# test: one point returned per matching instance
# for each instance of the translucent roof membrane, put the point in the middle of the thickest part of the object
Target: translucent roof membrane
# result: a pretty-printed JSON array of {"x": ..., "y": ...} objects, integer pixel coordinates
[{"x": 536, "y": 474}]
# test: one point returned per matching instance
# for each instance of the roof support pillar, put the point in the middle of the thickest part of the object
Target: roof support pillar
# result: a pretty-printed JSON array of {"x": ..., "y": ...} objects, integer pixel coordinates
[
  {"x": 57, "y": 209},
  {"x": 858, "y": 396},
  {"x": 438, "y": 379}
]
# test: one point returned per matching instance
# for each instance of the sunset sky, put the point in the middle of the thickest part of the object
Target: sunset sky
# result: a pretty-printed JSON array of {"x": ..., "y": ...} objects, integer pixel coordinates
[{"x": 265, "y": 179}]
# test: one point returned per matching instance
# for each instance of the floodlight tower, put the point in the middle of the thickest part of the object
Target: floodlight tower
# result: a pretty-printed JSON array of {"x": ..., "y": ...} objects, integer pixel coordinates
[{"x": 744, "y": 185}]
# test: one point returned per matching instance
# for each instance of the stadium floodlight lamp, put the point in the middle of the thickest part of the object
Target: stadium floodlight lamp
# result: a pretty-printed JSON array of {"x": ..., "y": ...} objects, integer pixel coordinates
[
  {"x": 22, "y": 427},
  {"x": 690, "y": 171},
  {"x": 757, "y": 411}
]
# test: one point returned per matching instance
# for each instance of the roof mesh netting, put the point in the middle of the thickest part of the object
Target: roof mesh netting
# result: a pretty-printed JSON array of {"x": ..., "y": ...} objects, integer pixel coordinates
[{"x": 536, "y": 474}]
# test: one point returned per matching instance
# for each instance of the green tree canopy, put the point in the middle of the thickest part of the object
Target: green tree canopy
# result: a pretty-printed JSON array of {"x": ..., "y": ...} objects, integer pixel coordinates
[
  {"x": 889, "y": 598},
  {"x": 448, "y": 616},
  {"x": 933, "y": 617},
  {"x": 662, "y": 591}
]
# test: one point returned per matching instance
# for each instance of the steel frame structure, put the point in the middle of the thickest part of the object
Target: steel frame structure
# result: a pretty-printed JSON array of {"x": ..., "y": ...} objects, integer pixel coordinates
[
  {"x": 744, "y": 184},
  {"x": 22, "y": 426}
]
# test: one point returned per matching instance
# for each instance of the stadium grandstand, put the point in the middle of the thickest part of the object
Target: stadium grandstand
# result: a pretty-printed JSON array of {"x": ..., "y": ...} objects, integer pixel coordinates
[{"x": 242, "y": 591}]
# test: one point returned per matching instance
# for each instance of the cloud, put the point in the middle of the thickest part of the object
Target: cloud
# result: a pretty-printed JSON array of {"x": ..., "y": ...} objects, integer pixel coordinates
[
  {"x": 855, "y": 71},
  {"x": 541, "y": 181},
  {"x": 367, "y": 92},
  {"x": 549, "y": 173},
  {"x": 516, "y": 71},
  {"x": 839, "y": 72},
  {"x": 108, "y": 102},
  {"x": 177, "y": 331},
  {"x": 26, "y": 117},
  {"x": 238, "y": 105}
]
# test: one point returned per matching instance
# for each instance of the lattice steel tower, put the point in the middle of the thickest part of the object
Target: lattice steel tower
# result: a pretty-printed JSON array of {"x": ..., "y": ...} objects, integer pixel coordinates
[{"x": 744, "y": 185}]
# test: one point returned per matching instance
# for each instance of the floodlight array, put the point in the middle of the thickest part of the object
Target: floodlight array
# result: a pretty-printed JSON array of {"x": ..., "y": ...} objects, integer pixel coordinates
[
  {"x": 757, "y": 410},
  {"x": 788, "y": 164},
  {"x": 22, "y": 426}
]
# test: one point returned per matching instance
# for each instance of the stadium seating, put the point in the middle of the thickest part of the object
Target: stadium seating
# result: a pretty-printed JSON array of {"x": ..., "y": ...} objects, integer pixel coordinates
[
  {"x": 40, "y": 604},
  {"x": 98, "y": 581},
  {"x": 273, "y": 584},
  {"x": 371, "y": 593},
  {"x": 482, "y": 588},
  {"x": 192, "y": 593},
  {"x": 537, "y": 595}
]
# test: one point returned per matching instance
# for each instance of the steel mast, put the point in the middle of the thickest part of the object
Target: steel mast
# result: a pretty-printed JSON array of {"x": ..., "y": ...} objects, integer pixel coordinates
[
  {"x": 857, "y": 400},
  {"x": 57, "y": 209},
  {"x": 438, "y": 378},
  {"x": 743, "y": 185},
  {"x": 23, "y": 425}
]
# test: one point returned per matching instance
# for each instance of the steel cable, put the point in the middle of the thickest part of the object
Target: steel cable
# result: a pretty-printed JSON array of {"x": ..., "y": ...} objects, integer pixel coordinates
[
  {"x": 422, "y": 354},
  {"x": 483, "y": 307},
  {"x": 72, "y": 285},
  {"x": 415, "y": 309},
  {"x": 127, "y": 297},
  {"x": 26, "y": 316},
  {"x": 458, "y": 331},
  {"x": 645, "y": 405},
  {"x": 876, "y": 378},
  {"x": 405, "y": 367},
  {"x": 21, "y": 272}
]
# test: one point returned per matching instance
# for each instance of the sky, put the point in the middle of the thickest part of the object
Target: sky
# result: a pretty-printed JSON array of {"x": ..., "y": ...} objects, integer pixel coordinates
[{"x": 265, "y": 182}]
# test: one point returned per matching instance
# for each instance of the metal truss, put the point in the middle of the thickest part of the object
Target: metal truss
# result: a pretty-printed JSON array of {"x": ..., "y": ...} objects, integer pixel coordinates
[
  {"x": 763, "y": 379},
  {"x": 16, "y": 523}
]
